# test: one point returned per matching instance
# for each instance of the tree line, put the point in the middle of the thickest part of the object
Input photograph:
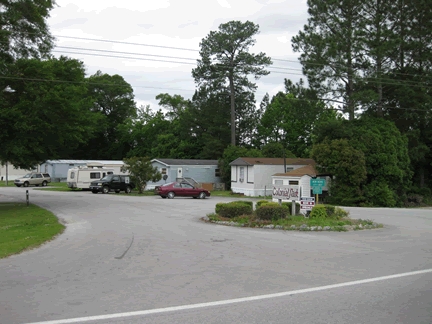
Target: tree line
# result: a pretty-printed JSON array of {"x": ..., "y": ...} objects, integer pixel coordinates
[{"x": 364, "y": 115}]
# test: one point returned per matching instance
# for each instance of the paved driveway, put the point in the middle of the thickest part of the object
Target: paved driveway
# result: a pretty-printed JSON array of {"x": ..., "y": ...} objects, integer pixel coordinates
[{"x": 134, "y": 254}]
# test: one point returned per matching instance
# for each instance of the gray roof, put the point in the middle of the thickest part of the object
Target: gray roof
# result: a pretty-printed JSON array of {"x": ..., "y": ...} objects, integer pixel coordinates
[
  {"x": 186, "y": 162},
  {"x": 84, "y": 162}
]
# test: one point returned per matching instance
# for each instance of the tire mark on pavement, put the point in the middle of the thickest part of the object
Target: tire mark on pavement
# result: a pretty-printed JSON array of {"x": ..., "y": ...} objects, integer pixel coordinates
[{"x": 124, "y": 253}]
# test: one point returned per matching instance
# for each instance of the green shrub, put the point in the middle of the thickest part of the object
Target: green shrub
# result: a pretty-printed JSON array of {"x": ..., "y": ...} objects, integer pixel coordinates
[
  {"x": 271, "y": 211},
  {"x": 318, "y": 211},
  {"x": 233, "y": 209},
  {"x": 250, "y": 203},
  {"x": 261, "y": 202},
  {"x": 289, "y": 205},
  {"x": 340, "y": 213},
  {"x": 330, "y": 210}
]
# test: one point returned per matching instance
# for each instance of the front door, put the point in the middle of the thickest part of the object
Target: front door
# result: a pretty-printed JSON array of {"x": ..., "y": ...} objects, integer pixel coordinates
[
  {"x": 180, "y": 173},
  {"x": 116, "y": 184}
]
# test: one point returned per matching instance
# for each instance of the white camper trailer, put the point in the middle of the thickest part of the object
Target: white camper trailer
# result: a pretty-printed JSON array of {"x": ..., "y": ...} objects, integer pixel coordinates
[{"x": 80, "y": 177}]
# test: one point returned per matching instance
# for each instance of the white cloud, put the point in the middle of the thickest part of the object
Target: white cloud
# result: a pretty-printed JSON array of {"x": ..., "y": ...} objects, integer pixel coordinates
[{"x": 180, "y": 24}]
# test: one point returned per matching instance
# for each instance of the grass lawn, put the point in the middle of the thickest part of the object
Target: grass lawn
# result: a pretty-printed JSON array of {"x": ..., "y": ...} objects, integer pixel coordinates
[
  {"x": 23, "y": 227},
  {"x": 10, "y": 183}
]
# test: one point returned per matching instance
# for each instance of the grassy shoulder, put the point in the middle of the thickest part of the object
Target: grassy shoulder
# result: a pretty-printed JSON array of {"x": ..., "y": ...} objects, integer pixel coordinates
[
  {"x": 24, "y": 227},
  {"x": 272, "y": 215}
]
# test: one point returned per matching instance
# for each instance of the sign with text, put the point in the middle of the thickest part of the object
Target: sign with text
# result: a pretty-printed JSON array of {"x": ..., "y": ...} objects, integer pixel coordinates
[
  {"x": 286, "y": 192},
  {"x": 317, "y": 185},
  {"x": 307, "y": 203}
]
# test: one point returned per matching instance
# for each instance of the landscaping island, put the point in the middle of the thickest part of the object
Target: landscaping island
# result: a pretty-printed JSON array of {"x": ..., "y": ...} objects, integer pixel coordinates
[{"x": 271, "y": 215}]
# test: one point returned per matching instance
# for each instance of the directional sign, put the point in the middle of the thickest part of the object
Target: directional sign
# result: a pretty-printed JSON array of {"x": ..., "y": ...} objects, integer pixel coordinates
[
  {"x": 307, "y": 203},
  {"x": 317, "y": 185}
]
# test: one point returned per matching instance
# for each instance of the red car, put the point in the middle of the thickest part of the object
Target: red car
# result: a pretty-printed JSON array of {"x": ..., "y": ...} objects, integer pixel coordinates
[{"x": 181, "y": 189}]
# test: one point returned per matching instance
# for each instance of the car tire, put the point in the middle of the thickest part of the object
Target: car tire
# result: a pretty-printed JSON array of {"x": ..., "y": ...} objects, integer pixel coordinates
[
  {"x": 117, "y": 191},
  {"x": 171, "y": 195},
  {"x": 26, "y": 184},
  {"x": 44, "y": 184},
  {"x": 94, "y": 191},
  {"x": 128, "y": 190},
  {"x": 105, "y": 190},
  {"x": 202, "y": 195}
]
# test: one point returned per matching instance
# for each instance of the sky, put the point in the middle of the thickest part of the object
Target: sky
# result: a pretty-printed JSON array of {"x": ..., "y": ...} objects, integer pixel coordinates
[{"x": 171, "y": 31}]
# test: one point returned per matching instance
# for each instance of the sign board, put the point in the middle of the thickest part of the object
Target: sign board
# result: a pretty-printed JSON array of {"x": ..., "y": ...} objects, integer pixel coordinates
[
  {"x": 286, "y": 192},
  {"x": 307, "y": 203},
  {"x": 317, "y": 185}
]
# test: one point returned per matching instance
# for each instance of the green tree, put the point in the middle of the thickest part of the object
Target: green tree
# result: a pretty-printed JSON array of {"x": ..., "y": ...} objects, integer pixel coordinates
[
  {"x": 41, "y": 120},
  {"x": 24, "y": 30},
  {"x": 346, "y": 165},
  {"x": 113, "y": 99},
  {"x": 290, "y": 118},
  {"x": 225, "y": 58},
  {"x": 141, "y": 171},
  {"x": 386, "y": 156},
  {"x": 332, "y": 47}
]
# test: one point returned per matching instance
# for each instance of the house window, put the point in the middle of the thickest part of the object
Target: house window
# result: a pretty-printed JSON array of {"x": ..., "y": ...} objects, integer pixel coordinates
[
  {"x": 241, "y": 179},
  {"x": 72, "y": 175},
  {"x": 217, "y": 173},
  {"x": 163, "y": 171},
  {"x": 293, "y": 183},
  {"x": 95, "y": 175},
  {"x": 278, "y": 182}
]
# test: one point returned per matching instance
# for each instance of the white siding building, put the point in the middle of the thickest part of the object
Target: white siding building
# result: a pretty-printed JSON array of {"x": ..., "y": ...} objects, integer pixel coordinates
[{"x": 253, "y": 176}]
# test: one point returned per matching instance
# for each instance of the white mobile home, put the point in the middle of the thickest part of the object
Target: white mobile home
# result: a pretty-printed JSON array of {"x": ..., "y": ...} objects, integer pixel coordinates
[
  {"x": 10, "y": 172},
  {"x": 253, "y": 176},
  {"x": 80, "y": 177},
  {"x": 301, "y": 177},
  {"x": 58, "y": 169}
]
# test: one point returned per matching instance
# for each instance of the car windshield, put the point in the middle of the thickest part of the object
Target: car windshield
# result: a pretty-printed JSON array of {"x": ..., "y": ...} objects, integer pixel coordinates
[
  {"x": 27, "y": 175},
  {"x": 107, "y": 178},
  {"x": 167, "y": 184}
]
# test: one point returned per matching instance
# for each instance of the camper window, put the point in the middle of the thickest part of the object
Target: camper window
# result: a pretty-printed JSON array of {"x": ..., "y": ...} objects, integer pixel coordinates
[
  {"x": 72, "y": 175},
  {"x": 95, "y": 175}
]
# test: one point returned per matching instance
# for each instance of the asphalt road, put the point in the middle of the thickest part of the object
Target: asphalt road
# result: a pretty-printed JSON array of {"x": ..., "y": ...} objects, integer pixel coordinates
[{"x": 130, "y": 259}]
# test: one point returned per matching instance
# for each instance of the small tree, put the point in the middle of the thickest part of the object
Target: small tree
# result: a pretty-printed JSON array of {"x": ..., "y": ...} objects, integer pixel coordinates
[{"x": 141, "y": 171}]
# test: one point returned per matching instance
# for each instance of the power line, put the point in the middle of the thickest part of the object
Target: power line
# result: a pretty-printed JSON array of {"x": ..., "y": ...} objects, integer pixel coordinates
[
  {"x": 176, "y": 89},
  {"x": 194, "y": 50},
  {"x": 369, "y": 79}
]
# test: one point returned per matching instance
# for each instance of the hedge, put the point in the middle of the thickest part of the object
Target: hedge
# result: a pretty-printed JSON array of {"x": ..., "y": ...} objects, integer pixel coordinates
[
  {"x": 318, "y": 211},
  {"x": 261, "y": 202},
  {"x": 289, "y": 205},
  {"x": 271, "y": 211},
  {"x": 233, "y": 209}
]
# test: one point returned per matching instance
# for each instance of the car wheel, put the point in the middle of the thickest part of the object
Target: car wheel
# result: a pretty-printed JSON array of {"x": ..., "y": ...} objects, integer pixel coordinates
[
  {"x": 105, "y": 190},
  {"x": 202, "y": 195},
  {"x": 171, "y": 195},
  {"x": 128, "y": 190},
  {"x": 26, "y": 184},
  {"x": 44, "y": 184},
  {"x": 95, "y": 191},
  {"x": 117, "y": 191}
]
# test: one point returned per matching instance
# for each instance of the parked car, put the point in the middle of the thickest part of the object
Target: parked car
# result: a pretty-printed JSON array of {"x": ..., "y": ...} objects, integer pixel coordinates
[
  {"x": 112, "y": 182},
  {"x": 181, "y": 189},
  {"x": 33, "y": 179}
]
